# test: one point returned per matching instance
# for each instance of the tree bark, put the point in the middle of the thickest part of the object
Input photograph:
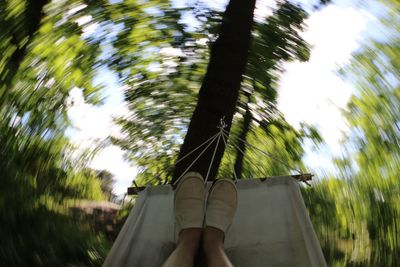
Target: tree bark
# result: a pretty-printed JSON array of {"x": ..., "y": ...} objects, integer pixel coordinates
[
  {"x": 241, "y": 150},
  {"x": 220, "y": 88},
  {"x": 33, "y": 15}
]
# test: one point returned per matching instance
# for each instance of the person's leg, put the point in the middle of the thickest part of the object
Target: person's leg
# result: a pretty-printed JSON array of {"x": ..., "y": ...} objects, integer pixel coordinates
[
  {"x": 186, "y": 249},
  {"x": 221, "y": 208},
  {"x": 213, "y": 247},
  {"x": 189, "y": 216}
]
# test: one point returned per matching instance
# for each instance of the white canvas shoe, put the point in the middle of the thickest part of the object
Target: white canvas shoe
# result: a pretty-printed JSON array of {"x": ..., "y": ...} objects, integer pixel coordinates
[
  {"x": 189, "y": 202},
  {"x": 221, "y": 204}
]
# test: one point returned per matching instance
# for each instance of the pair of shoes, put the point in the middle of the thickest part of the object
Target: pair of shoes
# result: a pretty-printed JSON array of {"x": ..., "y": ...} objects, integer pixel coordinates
[{"x": 191, "y": 210}]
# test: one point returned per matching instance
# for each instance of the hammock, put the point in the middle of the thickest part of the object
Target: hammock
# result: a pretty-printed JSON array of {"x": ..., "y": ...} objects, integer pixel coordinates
[{"x": 271, "y": 226}]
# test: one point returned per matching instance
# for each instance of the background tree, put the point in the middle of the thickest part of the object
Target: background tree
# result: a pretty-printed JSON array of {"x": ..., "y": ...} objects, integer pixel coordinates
[
  {"x": 357, "y": 215},
  {"x": 162, "y": 98},
  {"x": 49, "y": 48},
  {"x": 274, "y": 42},
  {"x": 219, "y": 92},
  {"x": 161, "y": 86},
  {"x": 107, "y": 183},
  {"x": 46, "y": 53},
  {"x": 220, "y": 89},
  {"x": 20, "y": 21}
]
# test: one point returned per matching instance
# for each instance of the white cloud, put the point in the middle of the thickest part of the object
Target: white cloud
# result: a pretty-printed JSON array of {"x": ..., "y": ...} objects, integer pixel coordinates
[
  {"x": 83, "y": 20},
  {"x": 92, "y": 122},
  {"x": 111, "y": 159},
  {"x": 95, "y": 123},
  {"x": 312, "y": 91},
  {"x": 171, "y": 51},
  {"x": 73, "y": 10},
  {"x": 335, "y": 33},
  {"x": 264, "y": 8}
]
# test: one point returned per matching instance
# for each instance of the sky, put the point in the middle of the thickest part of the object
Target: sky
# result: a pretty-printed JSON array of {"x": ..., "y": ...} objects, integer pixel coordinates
[{"x": 310, "y": 92}]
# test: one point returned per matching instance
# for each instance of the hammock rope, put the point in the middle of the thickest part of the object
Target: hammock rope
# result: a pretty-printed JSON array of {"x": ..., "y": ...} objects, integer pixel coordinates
[
  {"x": 261, "y": 151},
  {"x": 213, "y": 157},
  {"x": 224, "y": 135},
  {"x": 195, "y": 160}
]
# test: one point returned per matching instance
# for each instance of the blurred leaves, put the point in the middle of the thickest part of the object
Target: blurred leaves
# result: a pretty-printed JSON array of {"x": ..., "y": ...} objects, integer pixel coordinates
[
  {"x": 357, "y": 216},
  {"x": 162, "y": 84},
  {"x": 45, "y": 54},
  {"x": 160, "y": 51}
]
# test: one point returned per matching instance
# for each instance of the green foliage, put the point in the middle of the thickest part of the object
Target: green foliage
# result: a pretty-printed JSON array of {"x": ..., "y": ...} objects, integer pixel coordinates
[
  {"x": 357, "y": 217},
  {"x": 47, "y": 50},
  {"x": 34, "y": 108},
  {"x": 48, "y": 238},
  {"x": 107, "y": 181},
  {"x": 275, "y": 41},
  {"x": 162, "y": 85},
  {"x": 45, "y": 56}
]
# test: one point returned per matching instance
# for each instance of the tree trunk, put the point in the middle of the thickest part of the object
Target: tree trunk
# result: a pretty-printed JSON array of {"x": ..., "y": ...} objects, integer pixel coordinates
[
  {"x": 220, "y": 89},
  {"x": 241, "y": 150},
  {"x": 33, "y": 15}
]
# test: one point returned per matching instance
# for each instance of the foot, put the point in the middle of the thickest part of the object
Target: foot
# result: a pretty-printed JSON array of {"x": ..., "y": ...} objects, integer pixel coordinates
[
  {"x": 189, "y": 202},
  {"x": 221, "y": 205}
]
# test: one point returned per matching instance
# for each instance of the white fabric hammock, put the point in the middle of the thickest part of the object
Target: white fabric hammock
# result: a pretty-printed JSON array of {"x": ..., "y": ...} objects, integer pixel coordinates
[{"x": 271, "y": 228}]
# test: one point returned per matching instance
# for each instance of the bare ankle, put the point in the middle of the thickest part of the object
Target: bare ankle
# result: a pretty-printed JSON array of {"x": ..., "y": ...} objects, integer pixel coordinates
[
  {"x": 213, "y": 240},
  {"x": 189, "y": 240}
]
